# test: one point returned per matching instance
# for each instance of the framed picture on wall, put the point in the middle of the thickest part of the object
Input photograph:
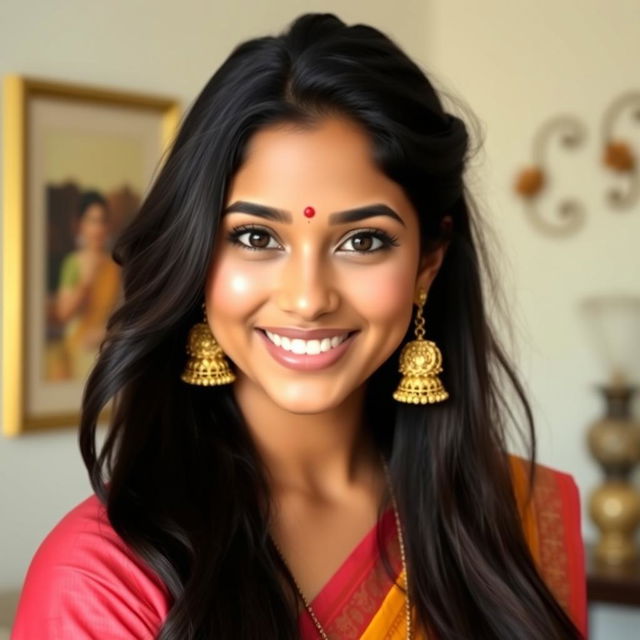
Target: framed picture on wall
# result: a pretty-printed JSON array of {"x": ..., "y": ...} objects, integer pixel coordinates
[{"x": 77, "y": 163}]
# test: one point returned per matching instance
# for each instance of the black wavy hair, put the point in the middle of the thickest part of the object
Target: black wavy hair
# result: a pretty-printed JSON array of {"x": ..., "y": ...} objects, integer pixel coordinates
[{"x": 182, "y": 481}]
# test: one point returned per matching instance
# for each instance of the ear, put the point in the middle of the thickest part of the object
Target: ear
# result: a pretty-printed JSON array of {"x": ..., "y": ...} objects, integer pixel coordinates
[{"x": 430, "y": 262}]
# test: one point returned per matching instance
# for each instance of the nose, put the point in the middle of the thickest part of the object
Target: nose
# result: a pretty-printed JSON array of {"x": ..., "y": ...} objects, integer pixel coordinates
[{"x": 307, "y": 288}]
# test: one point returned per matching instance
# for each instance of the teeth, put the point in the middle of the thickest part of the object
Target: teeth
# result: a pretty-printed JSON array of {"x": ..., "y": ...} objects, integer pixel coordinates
[
  {"x": 299, "y": 346},
  {"x": 311, "y": 347}
]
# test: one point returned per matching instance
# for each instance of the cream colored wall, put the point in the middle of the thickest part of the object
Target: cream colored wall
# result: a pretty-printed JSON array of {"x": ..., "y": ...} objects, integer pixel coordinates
[{"x": 515, "y": 63}]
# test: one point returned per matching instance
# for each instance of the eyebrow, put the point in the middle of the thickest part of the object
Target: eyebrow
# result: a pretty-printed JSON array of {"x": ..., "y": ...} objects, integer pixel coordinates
[{"x": 339, "y": 217}]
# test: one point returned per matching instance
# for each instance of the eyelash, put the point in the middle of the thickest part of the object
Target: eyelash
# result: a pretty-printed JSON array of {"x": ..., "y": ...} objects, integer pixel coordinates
[{"x": 386, "y": 239}]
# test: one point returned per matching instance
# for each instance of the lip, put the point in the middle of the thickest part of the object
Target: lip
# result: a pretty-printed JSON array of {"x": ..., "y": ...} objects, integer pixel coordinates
[{"x": 304, "y": 361}]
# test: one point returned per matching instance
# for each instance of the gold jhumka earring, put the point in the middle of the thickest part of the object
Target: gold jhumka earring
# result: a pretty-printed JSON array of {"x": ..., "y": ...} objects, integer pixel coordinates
[
  {"x": 206, "y": 365},
  {"x": 420, "y": 364}
]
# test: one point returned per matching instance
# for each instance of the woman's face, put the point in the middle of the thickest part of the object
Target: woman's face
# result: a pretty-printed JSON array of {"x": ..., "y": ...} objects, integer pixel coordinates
[
  {"x": 333, "y": 271},
  {"x": 93, "y": 225}
]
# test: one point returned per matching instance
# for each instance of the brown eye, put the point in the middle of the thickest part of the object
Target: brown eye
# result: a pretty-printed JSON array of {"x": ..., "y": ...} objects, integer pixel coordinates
[
  {"x": 362, "y": 243},
  {"x": 370, "y": 241},
  {"x": 258, "y": 239}
]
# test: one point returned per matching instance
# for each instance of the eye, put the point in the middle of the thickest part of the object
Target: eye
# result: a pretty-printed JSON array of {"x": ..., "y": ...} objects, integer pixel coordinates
[
  {"x": 363, "y": 240},
  {"x": 257, "y": 237}
]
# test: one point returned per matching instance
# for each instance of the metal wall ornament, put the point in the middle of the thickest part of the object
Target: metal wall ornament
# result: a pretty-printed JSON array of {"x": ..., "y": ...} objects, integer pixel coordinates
[
  {"x": 533, "y": 180},
  {"x": 617, "y": 154}
]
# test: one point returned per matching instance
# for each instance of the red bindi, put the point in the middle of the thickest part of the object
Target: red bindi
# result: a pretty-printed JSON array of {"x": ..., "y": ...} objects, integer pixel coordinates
[{"x": 309, "y": 212}]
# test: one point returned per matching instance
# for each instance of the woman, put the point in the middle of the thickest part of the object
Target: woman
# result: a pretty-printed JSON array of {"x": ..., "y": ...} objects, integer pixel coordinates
[
  {"x": 269, "y": 472},
  {"x": 89, "y": 286}
]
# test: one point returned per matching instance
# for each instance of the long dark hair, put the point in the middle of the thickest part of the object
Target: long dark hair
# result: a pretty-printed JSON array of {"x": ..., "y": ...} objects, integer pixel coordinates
[{"x": 182, "y": 481}]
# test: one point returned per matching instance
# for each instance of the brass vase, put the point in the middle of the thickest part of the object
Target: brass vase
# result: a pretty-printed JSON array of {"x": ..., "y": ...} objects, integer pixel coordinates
[{"x": 614, "y": 441}]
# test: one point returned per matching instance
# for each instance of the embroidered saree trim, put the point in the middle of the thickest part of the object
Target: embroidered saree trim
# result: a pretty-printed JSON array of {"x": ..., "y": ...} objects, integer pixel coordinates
[
  {"x": 361, "y": 601},
  {"x": 552, "y": 527},
  {"x": 351, "y": 597}
]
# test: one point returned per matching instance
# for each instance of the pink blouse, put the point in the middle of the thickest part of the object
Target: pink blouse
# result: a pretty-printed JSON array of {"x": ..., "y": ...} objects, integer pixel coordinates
[{"x": 84, "y": 582}]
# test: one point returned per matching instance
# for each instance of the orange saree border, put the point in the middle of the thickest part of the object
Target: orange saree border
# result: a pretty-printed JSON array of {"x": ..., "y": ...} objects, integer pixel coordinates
[
  {"x": 552, "y": 526},
  {"x": 390, "y": 621}
]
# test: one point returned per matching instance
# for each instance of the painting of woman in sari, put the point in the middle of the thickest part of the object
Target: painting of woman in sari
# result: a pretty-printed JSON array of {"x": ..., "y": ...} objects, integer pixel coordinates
[
  {"x": 80, "y": 158},
  {"x": 88, "y": 289}
]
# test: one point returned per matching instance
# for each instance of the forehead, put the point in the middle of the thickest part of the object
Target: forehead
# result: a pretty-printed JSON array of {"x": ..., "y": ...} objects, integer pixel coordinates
[{"x": 327, "y": 162}]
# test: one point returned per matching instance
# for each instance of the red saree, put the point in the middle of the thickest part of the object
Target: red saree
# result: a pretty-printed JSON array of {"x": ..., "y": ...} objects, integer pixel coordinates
[{"x": 360, "y": 601}]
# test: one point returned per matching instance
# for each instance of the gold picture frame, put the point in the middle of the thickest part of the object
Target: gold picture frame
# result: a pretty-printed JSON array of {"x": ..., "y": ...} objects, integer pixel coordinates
[{"x": 60, "y": 140}]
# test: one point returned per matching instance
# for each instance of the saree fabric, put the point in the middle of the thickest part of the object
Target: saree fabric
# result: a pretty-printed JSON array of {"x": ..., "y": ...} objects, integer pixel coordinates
[
  {"x": 551, "y": 523},
  {"x": 85, "y": 583}
]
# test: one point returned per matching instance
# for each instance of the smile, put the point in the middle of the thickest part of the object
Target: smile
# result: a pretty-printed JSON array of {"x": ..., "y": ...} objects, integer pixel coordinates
[
  {"x": 306, "y": 355},
  {"x": 312, "y": 347}
]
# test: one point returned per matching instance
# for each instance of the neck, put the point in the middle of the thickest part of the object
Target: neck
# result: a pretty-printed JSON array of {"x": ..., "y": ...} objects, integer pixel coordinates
[{"x": 319, "y": 455}]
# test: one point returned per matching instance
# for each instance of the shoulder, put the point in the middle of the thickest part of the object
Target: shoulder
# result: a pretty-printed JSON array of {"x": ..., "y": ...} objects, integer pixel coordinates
[
  {"x": 553, "y": 500},
  {"x": 549, "y": 482},
  {"x": 550, "y": 514},
  {"x": 85, "y": 582}
]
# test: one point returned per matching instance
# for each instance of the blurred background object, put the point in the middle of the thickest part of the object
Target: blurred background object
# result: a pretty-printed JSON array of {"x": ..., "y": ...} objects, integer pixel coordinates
[
  {"x": 618, "y": 154},
  {"x": 77, "y": 160},
  {"x": 613, "y": 323},
  {"x": 614, "y": 440}
]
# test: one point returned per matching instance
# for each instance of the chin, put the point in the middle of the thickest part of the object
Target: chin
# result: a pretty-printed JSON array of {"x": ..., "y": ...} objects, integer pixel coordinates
[{"x": 305, "y": 399}]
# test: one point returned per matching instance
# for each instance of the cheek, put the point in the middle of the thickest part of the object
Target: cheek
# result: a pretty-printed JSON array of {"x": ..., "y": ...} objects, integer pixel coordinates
[
  {"x": 233, "y": 287},
  {"x": 383, "y": 295},
  {"x": 383, "y": 300}
]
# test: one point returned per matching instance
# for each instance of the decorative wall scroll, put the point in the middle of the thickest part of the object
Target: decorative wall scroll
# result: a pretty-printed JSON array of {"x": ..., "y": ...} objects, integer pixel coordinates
[
  {"x": 617, "y": 155},
  {"x": 570, "y": 213}
]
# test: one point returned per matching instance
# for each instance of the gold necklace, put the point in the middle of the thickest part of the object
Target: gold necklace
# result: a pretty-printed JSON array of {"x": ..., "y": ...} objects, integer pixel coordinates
[{"x": 407, "y": 602}]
